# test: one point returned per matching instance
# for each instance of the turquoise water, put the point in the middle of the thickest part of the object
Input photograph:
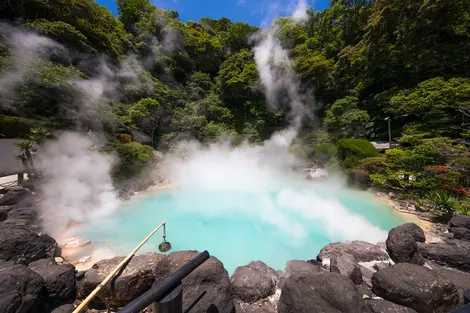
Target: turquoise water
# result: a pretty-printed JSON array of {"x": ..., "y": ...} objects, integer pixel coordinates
[{"x": 276, "y": 225}]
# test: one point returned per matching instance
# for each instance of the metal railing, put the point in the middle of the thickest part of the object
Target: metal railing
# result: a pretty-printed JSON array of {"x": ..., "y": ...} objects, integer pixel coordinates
[{"x": 164, "y": 288}]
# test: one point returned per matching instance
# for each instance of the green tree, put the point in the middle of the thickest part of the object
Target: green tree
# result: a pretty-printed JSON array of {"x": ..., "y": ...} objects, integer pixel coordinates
[{"x": 346, "y": 119}]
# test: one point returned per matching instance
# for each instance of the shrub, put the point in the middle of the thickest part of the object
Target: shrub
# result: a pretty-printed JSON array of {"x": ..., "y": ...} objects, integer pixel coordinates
[
  {"x": 436, "y": 169},
  {"x": 125, "y": 138},
  {"x": 374, "y": 164},
  {"x": 442, "y": 204},
  {"x": 463, "y": 207},
  {"x": 352, "y": 150},
  {"x": 12, "y": 126},
  {"x": 324, "y": 152},
  {"x": 462, "y": 165},
  {"x": 359, "y": 178},
  {"x": 134, "y": 158}
]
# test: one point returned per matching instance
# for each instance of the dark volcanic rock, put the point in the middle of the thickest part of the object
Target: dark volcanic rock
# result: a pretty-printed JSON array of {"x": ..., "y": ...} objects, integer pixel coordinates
[
  {"x": 20, "y": 289},
  {"x": 459, "y": 220},
  {"x": 20, "y": 216},
  {"x": 66, "y": 308},
  {"x": 460, "y": 233},
  {"x": 211, "y": 277},
  {"x": 254, "y": 281},
  {"x": 59, "y": 279},
  {"x": 384, "y": 306},
  {"x": 323, "y": 292},
  {"x": 452, "y": 253},
  {"x": 345, "y": 264},
  {"x": 361, "y": 251},
  {"x": 299, "y": 267},
  {"x": 254, "y": 308},
  {"x": 17, "y": 195},
  {"x": 414, "y": 230},
  {"x": 402, "y": 246},
  {"x": 416, "y": 287},
  {"x": 460, "y": 279},
  {"x": 381, "y": 265},
  {"x": 22, "y": 245},
  {"x": 459, "y": 225},
  {"x": 137, "y": 278}
]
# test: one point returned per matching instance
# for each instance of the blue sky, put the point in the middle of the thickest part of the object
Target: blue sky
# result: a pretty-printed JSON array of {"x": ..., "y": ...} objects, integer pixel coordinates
[{"x": 255, "y": 12}]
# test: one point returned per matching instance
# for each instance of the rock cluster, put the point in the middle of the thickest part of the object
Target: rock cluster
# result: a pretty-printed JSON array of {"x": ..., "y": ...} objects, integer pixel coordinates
[{"x": 403, "y": 275}]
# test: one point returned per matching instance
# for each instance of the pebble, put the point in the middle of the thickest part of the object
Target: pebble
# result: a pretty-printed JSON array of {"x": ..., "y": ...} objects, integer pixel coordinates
[
  {"x": 59, "y": 259},
  {"x": 85, "y": 259}
]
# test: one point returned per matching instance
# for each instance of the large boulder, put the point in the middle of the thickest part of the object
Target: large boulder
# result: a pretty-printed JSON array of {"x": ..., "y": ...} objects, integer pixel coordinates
[
  {"x": 241, "y": 307},
  {"x": 66, "y": 308},
  {"x": 322, "y": 292},
  {"x": 20, "y": 289},
  {"x": 452, "y": 253},
  {"x": 346, "y": 265},
  {"x": 416, "y": 287},
  {"x": 460, "y": 279},
  {"x": 22, "y": 245},
  {"x": 459, "y": 225},
  {"x": 19, "y": 216},
  {"x": 254, "y": 281},
  {"x": 17, "y": 195},
  {"x": 402, "y": 244},
  {"x": 299, "y": 267},
  {"x": 137, "y": 278},
  {"x": 414, "y": 230},
  {"x": 384, "y": 306},
  {"x": 59, "y": 279},
  {"x": 361, "y": 251},
  {"x": 460, "y": 220},
  {"x": 210, "y": 279}
]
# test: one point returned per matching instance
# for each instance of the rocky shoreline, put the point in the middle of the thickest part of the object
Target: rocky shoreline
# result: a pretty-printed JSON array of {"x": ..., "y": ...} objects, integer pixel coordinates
[{"x": 407, "y": 273}]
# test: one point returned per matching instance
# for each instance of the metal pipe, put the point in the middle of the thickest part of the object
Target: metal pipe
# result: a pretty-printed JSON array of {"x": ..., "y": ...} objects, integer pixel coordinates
[
  {"x": 114, "y": 271},
  {"x": 166, "y": 286}
]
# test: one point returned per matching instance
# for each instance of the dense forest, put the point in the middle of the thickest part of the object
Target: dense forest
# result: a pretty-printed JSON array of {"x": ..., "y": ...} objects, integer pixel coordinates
[{"x": 146, "y": 78}]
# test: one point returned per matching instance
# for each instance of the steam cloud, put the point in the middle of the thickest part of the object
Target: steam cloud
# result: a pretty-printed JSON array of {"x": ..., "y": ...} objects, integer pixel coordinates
[
  {"x": 276, "y": 70},
  {"x": 248, "y": 177},
  {"x": 77, "y": 183}
]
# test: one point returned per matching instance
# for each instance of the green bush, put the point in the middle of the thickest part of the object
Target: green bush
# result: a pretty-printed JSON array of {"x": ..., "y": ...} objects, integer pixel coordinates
[
  {"x": 359, "y": 178},
  {"x": 352, "y": 150},
  {"x": 462, "y": 165},
  {"x": 373, "y": 164},
  {"x": 19, "y": 127},
  {"x": 134, "y": 159},
  {"x": 324, "y": 152}
]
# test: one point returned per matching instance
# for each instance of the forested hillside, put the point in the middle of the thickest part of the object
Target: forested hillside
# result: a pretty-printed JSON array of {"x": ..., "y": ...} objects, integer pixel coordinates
[{"x": 146, "y": 76}]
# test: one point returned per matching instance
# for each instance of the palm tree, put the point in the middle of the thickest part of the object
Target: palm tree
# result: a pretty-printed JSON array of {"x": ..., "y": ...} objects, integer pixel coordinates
[
  {"x": 26, "y": 157},
  {"x": 38, "y": 135}
]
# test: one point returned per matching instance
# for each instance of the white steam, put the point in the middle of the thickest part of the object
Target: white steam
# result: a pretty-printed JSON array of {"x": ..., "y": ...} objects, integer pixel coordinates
[
  {"x": 259, "y": 183},
  {"x": 277, "y": 74},
  {"x": 77, "y": 184},
  {"x": 25, "y": 47},
  {"x": 300, "y": 12}
]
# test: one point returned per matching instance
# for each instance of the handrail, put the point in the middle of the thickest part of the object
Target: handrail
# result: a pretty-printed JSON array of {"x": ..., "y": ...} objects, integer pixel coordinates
[
  {"x": 166, "y": 286},
  {"x": 114, "y": 271}
]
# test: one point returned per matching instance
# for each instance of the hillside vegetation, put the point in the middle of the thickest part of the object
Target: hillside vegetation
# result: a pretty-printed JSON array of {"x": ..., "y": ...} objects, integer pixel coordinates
[{"x": 161, "y": 81}]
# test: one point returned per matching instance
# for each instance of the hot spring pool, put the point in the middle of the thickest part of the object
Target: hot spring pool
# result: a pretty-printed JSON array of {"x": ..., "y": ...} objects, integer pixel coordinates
[{"x": 238, "y": 226}]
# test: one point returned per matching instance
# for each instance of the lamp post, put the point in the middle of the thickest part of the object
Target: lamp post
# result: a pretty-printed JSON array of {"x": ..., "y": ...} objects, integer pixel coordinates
[{"x": 389, "y": 132}]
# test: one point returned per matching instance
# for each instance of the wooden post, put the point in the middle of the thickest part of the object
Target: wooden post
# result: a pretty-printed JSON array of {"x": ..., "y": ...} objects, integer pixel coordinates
[{"x": 20, "y": 178}]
